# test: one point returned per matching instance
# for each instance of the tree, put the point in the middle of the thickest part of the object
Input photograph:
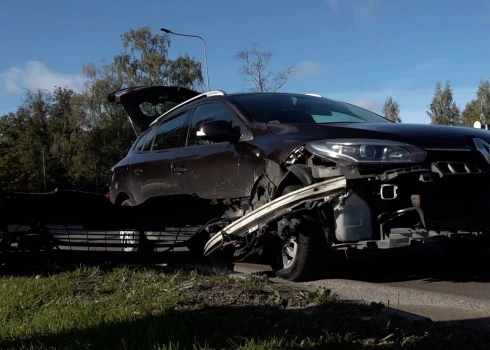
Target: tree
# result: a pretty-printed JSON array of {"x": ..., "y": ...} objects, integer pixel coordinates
[
  {"x": 145, "y": 61},
  {"x": 391, "y": 110},
  {"x": 36, "y": 138},
  {"x": 27, "y": 136},
  {"x": 481, "y": 104},
  {"x": 256, "y": 70},
  {"x": 12, "y": 174},
  {"x": 61, "y": 128},
  {"x": 443, "y": 110},
  {"x": 78, "y": 137}
]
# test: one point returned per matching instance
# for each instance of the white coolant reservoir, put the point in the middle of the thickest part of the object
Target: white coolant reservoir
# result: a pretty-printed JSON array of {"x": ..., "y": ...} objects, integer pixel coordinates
[{"x": 353, "y": 220}]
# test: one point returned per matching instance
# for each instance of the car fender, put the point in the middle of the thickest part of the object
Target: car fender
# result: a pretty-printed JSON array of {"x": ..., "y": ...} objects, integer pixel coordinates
[
  {"x": 276, "y": 177},
  {"x": 121, "y": 183},
  {"x": 295, "y": 174}
]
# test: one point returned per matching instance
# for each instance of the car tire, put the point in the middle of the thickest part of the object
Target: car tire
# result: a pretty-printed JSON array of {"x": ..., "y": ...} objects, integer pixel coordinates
[
  {"x": 135, "y": 237},
  {"x": 299, "y": 260}
]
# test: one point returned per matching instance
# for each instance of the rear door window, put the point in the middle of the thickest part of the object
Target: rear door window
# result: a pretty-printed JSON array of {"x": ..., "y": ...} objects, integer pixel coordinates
[
  {"x": 149, "y": 140},
  {"x": 169, "y": 133},
  {"x": 141, "y": 141}
]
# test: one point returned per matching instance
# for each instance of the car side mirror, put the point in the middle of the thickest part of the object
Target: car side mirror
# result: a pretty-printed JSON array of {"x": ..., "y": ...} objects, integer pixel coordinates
[{"x": 218, "y": 131}]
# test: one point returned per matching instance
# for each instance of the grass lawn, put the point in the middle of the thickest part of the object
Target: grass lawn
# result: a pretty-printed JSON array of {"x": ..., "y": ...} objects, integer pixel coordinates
[{"x": 129, "y": 307}]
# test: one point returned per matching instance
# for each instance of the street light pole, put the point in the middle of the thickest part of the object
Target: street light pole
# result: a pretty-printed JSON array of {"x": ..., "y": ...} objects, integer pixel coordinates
[{"x": 204, "y": 45}]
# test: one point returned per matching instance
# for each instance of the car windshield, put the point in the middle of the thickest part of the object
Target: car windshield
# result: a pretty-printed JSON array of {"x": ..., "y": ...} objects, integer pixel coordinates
[{"x": 303, "y": 109}]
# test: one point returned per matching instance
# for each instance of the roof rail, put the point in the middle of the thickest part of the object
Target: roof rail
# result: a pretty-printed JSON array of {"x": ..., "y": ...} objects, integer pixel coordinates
[{"x": 198, "y": 97}]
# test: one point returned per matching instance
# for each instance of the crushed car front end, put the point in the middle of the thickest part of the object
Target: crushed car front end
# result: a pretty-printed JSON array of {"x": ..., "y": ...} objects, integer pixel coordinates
[
  {"x": 374, "y": 193},
  {"x": 400, "y": 194}
]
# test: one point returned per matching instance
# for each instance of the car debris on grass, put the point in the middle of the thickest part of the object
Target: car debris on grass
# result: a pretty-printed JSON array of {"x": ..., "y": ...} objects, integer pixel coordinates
[{"x": 135, "y": 307}]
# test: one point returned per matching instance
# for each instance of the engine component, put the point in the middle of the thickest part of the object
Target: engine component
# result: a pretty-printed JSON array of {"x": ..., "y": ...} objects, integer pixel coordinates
[{"x": 352, "y": 219}]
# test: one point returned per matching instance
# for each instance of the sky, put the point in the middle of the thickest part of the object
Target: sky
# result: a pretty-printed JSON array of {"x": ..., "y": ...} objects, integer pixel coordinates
[{"x": 359, "y": 51}]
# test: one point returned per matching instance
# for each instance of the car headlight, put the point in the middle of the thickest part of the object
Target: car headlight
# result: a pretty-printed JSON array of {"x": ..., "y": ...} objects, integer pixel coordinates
[{"x": 365, "y": 151}]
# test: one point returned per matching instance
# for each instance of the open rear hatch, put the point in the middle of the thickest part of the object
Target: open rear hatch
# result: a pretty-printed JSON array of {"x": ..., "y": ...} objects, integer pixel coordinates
[{"x": 144, "y": 104}]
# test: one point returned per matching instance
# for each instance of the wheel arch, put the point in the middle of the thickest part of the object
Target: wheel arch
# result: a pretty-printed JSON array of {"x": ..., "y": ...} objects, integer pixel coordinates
[
  {"x": 300, "y": 174},
  {"x": 275, "y": 178},
  {"x": 121, "y": 197},
  {"x": 297, "y": 174}
]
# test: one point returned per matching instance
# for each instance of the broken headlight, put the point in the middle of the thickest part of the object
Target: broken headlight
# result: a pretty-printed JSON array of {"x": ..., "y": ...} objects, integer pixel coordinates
[{"x": 367, "y": 151}]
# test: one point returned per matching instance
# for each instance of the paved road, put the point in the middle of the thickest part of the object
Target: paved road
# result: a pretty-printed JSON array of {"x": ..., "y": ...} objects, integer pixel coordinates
[
  {"x": 425, "y": 267},
  {"x": 429, "y": 268},
  {"x": 420, "y": 280}
]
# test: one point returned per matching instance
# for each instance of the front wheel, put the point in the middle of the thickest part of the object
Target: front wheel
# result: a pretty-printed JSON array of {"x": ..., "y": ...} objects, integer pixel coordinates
[
  {"x": 135, "y": 241},
  {"x": 300, "y": 256}
]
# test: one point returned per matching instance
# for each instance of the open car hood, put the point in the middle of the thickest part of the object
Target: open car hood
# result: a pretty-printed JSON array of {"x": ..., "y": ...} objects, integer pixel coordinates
[{"x": 144, "y": 104}]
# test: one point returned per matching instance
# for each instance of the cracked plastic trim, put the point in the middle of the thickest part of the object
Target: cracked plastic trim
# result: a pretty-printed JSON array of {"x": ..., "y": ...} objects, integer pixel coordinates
[{"x": 326, "y": 190}]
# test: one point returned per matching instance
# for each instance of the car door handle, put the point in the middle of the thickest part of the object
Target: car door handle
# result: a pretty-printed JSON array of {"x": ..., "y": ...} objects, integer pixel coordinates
[
  {"x": 138, "y": 172},
  {"x": 180, "y": 169}
]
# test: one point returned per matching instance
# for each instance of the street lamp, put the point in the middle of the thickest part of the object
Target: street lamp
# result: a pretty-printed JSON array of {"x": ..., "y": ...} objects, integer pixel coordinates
[{"x": 203, "y": 43}]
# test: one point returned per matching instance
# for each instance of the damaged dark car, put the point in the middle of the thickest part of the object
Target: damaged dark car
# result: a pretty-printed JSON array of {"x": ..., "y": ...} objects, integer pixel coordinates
[{"x": 292, "y": 177}]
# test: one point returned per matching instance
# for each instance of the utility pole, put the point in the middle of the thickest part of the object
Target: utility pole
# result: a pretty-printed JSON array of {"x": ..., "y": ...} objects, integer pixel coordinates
[
  {"x": 96, "y": 177},
  {"x": 44, "y": 171},
  {"x": 482, "y": 123},
  {"x": 482, "y": 115}
]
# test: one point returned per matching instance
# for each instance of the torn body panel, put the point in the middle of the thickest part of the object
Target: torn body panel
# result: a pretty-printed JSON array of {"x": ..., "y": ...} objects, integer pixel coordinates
[
  {"x": 324, "y": 191},
  {"x": 380, "y": 207}
]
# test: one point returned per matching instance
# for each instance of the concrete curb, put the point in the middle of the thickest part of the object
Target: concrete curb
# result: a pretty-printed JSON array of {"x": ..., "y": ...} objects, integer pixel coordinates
[
  {"x": 371, "y": 292},
  {"x": 410, "y": 304}
]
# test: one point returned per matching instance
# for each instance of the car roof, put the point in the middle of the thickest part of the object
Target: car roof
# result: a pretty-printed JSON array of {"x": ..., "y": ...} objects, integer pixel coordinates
[
  {"x": 207, "y": 94},
  {"x": 218, "y": 95}
]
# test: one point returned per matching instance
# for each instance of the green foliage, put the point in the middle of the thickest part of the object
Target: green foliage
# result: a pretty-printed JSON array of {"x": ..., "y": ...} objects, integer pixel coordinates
[
  {"x": 255, "y": 284},
  {"x": 391, "y": 110},
  {"x": 11, "y": 168},
  {"x": 443, "y": 110},
  {"x": 481, "y": 104},
  {"x": 77, "y": 137},
  {"x": 38, "y": 132},
  {"x": 145, "y": 61},
  {"x": 324, "y": 296},
  {"x": 186, "y": 72}
]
